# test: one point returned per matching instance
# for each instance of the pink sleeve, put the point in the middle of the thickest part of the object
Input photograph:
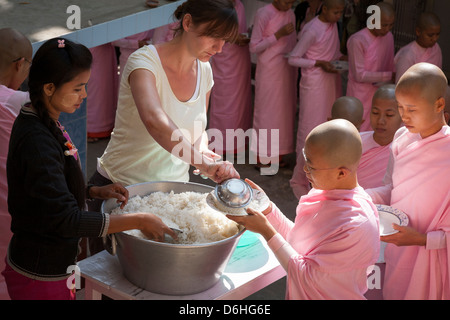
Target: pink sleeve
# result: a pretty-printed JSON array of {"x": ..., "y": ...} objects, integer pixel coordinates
[
  {"x": 296, "y": 59},
  {"x": 282, "y": 250},
  {"x": 357, "y": 65},
  {"x": 402, "y": 63},
  {"x": 258, "y": 42},
  {"x": 279, "y": 221},
  {"x": 16, "y": 101},
  {"x": 436, "y": 240},
  {"x": 382, "y": 195}
]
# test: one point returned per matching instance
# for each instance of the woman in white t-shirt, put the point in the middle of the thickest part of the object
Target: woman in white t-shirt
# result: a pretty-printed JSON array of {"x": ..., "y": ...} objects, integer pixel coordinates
[{"x": 163, "y": 99}]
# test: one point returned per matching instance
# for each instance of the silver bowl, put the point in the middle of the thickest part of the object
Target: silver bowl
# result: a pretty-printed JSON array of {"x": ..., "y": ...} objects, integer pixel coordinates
[
  {"x": 234, "y": 193},
  {"x": 166, "y": 268}
]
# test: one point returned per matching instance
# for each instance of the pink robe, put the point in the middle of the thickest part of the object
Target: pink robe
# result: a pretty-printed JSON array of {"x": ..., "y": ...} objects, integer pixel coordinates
[
  {"x": 231, "y": 96},
  {"x": 164, "y": 33},
  {"x": 130, "y": 44},
  {"x": 10, "y": 103},
  {"x": 317, "y": 89},
  {"x": 102, "y": 92},
  {"x": 275, "y": 94},
  {"x": 371, "y": 64},
  {"x": 13, "y": 100},
  {"x": 413, "y": 53},
  {"x": 336, "y": 239},
  {"x": 374, "y": 161},
  {"x": 419, "y": 186},
  {"x": 6, "y": 122}
]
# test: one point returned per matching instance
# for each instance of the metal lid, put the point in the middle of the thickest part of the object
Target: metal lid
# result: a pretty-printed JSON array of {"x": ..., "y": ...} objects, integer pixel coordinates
[{"x": 234, "y": 193}]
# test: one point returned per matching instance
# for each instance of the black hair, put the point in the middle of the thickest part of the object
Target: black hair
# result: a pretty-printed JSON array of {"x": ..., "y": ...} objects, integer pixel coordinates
[
  {"x": 59, "y": 65},
  {"x": 219, "y": 15}
]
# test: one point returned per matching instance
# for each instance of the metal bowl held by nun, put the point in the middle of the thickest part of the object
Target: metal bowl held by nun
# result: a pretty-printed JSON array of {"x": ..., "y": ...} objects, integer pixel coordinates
[{"x": 167, "y": 268}]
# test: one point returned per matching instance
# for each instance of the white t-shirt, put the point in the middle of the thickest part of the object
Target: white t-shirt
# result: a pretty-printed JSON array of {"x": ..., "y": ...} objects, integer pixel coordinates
[{"x": 132, "y": 155}]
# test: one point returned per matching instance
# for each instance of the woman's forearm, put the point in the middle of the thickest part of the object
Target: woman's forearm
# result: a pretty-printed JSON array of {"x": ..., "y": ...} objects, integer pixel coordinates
[{"x": 123, "y": 222}]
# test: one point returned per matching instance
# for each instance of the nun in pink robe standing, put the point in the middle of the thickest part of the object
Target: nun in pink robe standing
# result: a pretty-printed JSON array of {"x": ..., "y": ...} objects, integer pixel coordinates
[
  {"x": 16, "y": 53},
  {"x": 424, "y": 49},
  {"x": 273, "y": 37},
  {"x": 419, "y": 272},
  {"x": 320, "y": 84},
  {"x": 10, "y": 103},
  {"x": 417, "y": 257},
  {"x": 371, "y": 60},
  {"x": 102, "y": 92},
  {"x": 413, "y": 53},
  {"x": 231, "y": 96},
  {"x": 385, "y": 120}
]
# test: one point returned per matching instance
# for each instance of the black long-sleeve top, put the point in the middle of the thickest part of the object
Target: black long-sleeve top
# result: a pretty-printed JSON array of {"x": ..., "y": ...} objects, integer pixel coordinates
[{"x": 46, "y": 221}]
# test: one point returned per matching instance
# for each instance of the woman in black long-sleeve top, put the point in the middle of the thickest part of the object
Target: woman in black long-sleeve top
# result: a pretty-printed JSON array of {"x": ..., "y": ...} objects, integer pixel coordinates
[{"x": 47, "y": 191}]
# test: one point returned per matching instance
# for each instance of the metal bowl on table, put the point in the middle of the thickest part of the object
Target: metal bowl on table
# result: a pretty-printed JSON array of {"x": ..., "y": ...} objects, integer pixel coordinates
[{"x": 166, "y": 268}]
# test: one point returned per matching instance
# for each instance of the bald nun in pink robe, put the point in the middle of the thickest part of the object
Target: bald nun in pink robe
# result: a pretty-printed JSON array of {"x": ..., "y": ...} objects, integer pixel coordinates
[
  {"x": 413, "y": 53},
  {"x": 275, "y": 92},
  {"x": 418, "y": 185},
  {"x": 231, "y": 96},
  {"x": 371, "y": 63},
  {"x": 317, "y": 89},
  {"x": 331, "y": 245},
  {"x": 424, "y": 48},
  {"x": 10, "y": 103},
  {"x": 374, "y": 161}
]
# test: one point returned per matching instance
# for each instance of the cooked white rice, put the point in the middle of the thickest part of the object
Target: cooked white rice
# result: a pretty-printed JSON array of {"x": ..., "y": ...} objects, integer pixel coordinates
[{"x": 186, "y": 211}]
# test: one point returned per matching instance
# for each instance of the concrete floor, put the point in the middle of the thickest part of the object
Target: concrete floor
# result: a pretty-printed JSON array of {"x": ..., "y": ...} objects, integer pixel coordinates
[{"x": 276, "y": 187}]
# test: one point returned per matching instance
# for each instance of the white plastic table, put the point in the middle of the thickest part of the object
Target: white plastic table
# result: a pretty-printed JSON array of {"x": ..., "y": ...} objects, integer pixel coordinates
[{"x": 250, "y": 269}]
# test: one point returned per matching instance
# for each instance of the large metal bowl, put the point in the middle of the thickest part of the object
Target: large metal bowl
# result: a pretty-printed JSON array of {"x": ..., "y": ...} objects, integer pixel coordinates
[{"x": 165, "y": 268}]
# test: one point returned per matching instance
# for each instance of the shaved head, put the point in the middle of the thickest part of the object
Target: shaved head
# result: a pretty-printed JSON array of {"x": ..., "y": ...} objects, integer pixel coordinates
[
  {"x": 386, "y": 9},
  {"x": 428, "y": 19},
  {"x": 426, "y": 79},
  {"x": 349, "y": 108},
  {"x": 386, "y": 92},
  {"x": 14, "y": 45},
  {"x": 338, "y": 141}
]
